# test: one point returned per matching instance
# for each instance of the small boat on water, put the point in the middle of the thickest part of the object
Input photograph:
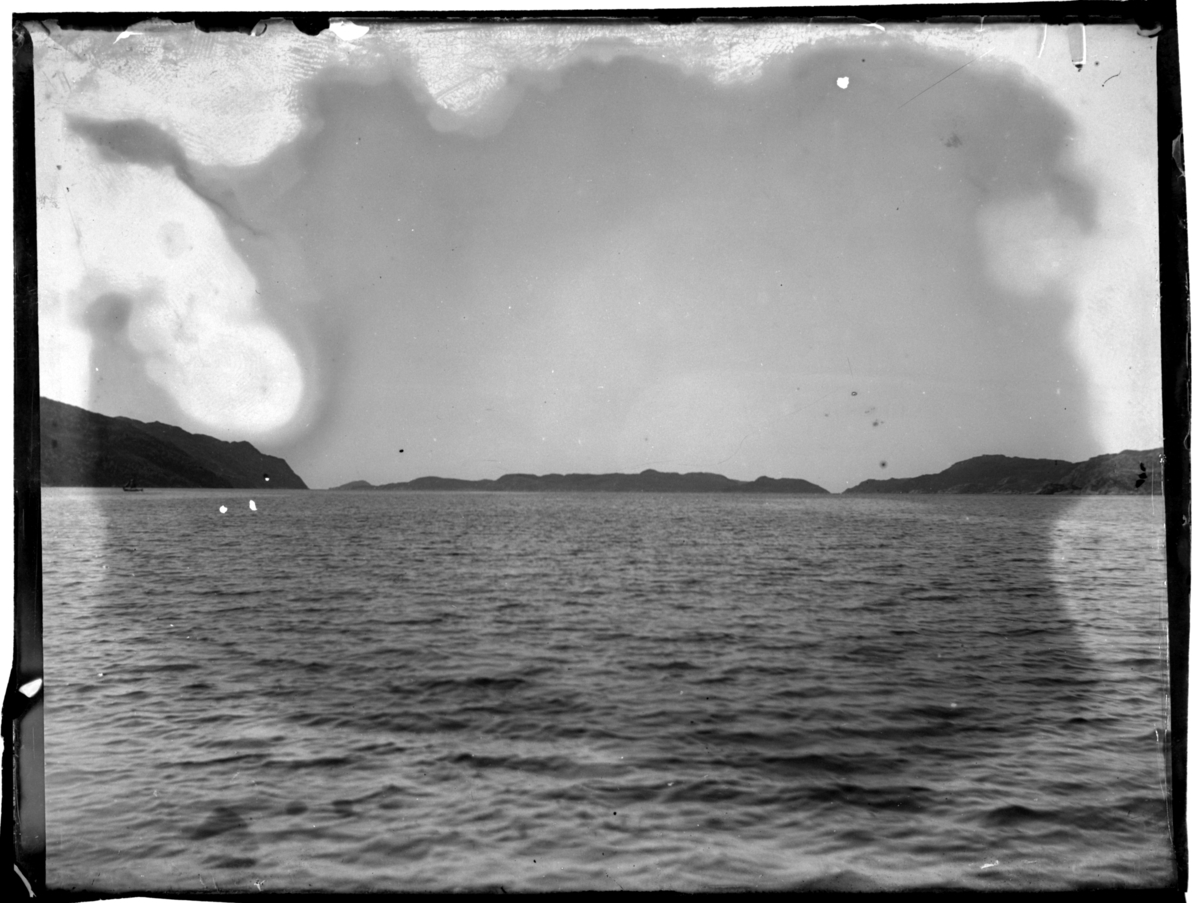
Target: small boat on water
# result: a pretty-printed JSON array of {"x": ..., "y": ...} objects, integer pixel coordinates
[{"x": 132, "y": 485}]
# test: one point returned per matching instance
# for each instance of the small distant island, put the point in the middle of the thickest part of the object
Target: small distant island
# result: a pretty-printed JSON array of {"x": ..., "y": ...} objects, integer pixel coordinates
[
  {"x": 82, "y": 448},
  {"x": 646, "y": 481},
  {"x": 1123, "y": 473}
]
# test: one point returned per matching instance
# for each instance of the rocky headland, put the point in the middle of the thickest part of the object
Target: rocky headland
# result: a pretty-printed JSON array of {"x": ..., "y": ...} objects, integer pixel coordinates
[
  {"x": 82, "y": 448},
  {"x": 1123, "y": 473}
]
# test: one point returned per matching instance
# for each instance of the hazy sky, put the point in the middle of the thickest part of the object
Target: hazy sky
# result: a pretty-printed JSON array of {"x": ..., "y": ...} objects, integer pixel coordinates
[{"x": 784, "y": 250}]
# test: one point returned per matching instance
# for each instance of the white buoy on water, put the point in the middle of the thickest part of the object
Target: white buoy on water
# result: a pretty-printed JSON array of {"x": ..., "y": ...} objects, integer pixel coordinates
[{"x": 252, "y": 507}]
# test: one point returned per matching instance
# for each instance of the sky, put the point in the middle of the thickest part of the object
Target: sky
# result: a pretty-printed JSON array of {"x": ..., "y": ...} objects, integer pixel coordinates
[{"x": 816, "y": 251}]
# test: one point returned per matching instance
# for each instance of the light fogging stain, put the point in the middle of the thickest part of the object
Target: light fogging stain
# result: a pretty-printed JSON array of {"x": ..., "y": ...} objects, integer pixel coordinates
[
  {"x": 118, "y": 373},
  {"x": 117, "y": 380},
  {"x": 142, "y": 142},
  {"x": 413, "y": 235},
  {"x": 316, "y": 318}
]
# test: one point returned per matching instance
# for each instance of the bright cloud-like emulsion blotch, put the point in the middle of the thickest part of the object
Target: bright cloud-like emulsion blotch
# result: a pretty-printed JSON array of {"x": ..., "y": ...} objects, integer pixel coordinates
[
  {"x": 137, "y": 231},
  {"x": 193, "y": 319}
]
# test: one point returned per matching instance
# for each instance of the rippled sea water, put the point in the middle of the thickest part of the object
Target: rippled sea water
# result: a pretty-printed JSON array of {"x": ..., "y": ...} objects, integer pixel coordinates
[{"x": 354, "y": 691}]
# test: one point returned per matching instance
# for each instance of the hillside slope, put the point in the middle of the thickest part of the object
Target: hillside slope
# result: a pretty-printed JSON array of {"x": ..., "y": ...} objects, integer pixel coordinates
[
  {"x": 82, "y": 448},
  {"x": 1113, "y": 474}
]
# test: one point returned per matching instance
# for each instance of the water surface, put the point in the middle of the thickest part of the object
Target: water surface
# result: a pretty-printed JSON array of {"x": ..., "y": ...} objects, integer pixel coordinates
[{"x": 394, "y": 691}]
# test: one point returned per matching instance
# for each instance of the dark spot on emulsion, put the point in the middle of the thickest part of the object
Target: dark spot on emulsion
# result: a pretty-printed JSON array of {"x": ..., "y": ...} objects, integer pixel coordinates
[
  {"x": 876, "y": 423},
  {"x": 953, "y": 141},
  {"x": 883, "y": 463},
  {"x": 54, "y": 443},
  {"x": 853, "y": 393},
  {"x": 401, "y": 451}
]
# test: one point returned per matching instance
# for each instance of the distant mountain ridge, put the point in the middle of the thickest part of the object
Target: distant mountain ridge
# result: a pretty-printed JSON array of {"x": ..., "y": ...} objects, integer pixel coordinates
[
  {"x": 646, "y": 481},
  {"x": 1123, "y": 473},
  {"x": 82, "y": 448}
]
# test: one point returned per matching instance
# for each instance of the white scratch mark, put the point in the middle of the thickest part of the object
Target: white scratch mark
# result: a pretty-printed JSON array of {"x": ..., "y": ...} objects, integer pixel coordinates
[
  {"x": 1077, "y": 41},
  {"x": 222, "y": 509},
  {"x": 253, "y": 507},
  {"x": 23, "y": 881},
  {"x": 30, "y": 689},
  {"x": 944, "y": 77},
  {"x": 1045, "y": 29},
  {"x": 988, "y": 865},
  {"x": 127, "y": 34}
]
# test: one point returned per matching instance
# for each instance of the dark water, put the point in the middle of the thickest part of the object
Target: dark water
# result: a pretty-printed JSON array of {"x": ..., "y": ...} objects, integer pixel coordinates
[{"x": 357, "y": 691}]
